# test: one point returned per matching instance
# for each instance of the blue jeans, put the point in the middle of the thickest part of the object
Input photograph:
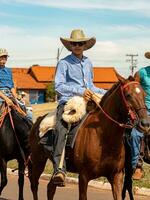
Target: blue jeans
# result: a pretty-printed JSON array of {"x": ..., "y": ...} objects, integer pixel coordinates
[
  {"x": 29, "y": 114},
  {"x": 28, "y": 111},
  {"x": 135, "y": 143}
]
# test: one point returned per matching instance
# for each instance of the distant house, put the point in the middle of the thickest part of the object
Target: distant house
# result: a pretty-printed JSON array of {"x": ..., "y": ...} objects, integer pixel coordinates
[
  {"x": 104, "y": 77},
  {"x": 33, "y": 81}
]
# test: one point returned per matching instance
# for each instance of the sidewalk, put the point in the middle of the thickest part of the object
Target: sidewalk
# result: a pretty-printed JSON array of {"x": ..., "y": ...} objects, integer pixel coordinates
[{"x": 95, "y": 184}]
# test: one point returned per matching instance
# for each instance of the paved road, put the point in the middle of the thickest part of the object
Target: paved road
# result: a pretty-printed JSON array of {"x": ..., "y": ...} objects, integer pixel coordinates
[{"x": 70, "y": 192}]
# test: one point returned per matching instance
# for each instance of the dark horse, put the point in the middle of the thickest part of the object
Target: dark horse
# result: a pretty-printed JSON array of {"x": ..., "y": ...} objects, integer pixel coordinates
[
  {"x": 14, "y": 144},
  {"x": 127, "y": 186},
  {"x": 99, "y": 147}
]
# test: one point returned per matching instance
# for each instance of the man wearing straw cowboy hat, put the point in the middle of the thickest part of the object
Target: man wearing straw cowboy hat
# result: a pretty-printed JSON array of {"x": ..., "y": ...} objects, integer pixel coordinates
[
  {"x": 143, "y": 76},
  {"x": 74, "y": 77},
  {"x": 7, "y": 90}
]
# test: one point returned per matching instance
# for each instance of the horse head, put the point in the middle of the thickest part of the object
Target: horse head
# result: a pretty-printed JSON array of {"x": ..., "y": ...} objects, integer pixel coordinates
[{"x": 133, "y": 96}]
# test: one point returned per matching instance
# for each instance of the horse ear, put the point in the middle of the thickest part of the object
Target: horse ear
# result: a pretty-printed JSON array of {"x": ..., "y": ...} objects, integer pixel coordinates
[
  {"x": 131, "y": 78},
  {"x": 137, "y": 77},
  {"x": 120, "y": 78}
]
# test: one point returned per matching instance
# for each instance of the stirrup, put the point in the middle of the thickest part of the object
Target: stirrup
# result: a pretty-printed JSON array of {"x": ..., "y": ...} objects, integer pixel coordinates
[
  {"x": 59, "y": 178},
  {"x": 138, "y": 173}
]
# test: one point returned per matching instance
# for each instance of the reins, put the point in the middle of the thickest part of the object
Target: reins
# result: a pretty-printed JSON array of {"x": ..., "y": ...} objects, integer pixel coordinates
[
  {"x": 4, "y": 113},
  {"x": 128, "y": 126}
]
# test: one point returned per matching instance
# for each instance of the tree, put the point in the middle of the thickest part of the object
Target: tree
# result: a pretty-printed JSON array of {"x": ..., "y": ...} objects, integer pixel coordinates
[{"x": 50, "y": 92}]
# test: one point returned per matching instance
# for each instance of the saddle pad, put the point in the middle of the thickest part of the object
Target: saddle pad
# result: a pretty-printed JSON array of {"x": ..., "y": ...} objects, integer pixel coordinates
[
  {"x": 74, "y": 132},
  {"x": 47, "y": 123}
]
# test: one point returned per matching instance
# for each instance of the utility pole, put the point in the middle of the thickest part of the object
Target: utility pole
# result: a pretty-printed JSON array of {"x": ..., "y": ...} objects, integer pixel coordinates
[
  {"x": 58, "y": 54},
  {"x": 133, "y": 62},
  {"x": 59, "y": 51}
]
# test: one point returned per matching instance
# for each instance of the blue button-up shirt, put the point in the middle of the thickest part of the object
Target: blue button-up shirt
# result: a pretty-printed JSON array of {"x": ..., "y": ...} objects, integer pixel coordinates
[
  {"x": 6, "y": 81},
  {"x": 73, "y": 76}
]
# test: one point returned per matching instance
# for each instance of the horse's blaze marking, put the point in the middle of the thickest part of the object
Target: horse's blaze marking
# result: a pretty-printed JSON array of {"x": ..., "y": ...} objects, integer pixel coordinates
[{"x": 137, "y": 90}]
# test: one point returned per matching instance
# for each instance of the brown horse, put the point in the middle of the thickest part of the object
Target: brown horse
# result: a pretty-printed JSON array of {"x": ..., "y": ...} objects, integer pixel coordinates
[{"x": 99, "y": 147}]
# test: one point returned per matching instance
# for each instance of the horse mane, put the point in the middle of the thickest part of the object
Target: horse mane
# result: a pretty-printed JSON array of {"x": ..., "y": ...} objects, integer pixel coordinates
[
  {"x": 109, "y": 92},
  {"x": 115, "y": 85}
]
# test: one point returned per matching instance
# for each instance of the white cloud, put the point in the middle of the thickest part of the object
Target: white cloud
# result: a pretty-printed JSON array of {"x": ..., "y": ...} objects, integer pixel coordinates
[
  {"x": 90, "y": 4},
  {"x": 7, "y": 30},
  {"x": 109, "y": 53},
  {"x": 27, "y": 49}
]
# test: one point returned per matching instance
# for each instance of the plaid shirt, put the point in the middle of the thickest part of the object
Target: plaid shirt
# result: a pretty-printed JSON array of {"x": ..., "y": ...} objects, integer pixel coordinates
[{"x": 6, "y": 81}]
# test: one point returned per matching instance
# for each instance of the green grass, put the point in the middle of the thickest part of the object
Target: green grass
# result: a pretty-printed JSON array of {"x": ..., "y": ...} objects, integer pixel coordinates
[{"x": 144, "y": 182}]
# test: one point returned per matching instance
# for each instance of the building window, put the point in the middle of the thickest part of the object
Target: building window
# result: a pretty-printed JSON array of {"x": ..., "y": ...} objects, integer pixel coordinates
[{"x": 36, "y": 96}]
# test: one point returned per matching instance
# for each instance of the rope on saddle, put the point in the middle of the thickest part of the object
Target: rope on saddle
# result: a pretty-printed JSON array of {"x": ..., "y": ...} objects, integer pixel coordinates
[{"x": 4, "y": 112}]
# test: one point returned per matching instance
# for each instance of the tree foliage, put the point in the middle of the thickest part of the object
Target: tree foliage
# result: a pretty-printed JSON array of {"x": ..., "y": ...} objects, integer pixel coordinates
[{"x": 50, "y": 92}]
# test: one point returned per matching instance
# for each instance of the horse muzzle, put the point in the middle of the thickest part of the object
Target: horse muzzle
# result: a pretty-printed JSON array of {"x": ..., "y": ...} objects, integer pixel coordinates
[{"x": 144, "y": 126}]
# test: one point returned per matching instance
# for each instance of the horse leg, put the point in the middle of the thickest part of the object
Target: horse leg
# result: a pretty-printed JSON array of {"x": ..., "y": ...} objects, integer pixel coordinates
[
  {"x": 3, "y": 168},
  {"x": 21, "y": 178},
  {"x": 127, "y": 186},
  {"x": 83, "y": 184},
  {"x": 35, "y": 173},
  {"x": 51, "y": 189},
  {"x": 116, "y": 183}
]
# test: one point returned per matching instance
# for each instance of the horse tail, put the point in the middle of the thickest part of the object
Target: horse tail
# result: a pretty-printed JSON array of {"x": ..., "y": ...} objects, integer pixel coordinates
[{"x": 35, "y": 129}]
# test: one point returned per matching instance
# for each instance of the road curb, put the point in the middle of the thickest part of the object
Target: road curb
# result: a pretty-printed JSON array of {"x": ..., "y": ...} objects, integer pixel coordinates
[{"x": 95, "y": 184}]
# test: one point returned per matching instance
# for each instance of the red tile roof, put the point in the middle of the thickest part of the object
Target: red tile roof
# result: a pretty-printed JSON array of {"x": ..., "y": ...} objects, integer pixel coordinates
[
  {"x": 104, "y": 77},
  {"x": 24, "y": 80},
  {"x": 105, "y": 74},
  {"x": 43, "y": 73},
  {"x": 104, "y": 85},
  {"x": 37, "y": 77}
]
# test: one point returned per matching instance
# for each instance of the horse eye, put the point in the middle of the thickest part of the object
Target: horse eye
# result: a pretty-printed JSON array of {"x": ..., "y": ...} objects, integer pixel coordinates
[{"x": 128, "y": 96}]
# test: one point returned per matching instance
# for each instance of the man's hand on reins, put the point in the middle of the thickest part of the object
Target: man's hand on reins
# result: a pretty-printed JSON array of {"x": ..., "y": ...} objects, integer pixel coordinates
[
  {"x": 87, "y": 94},
  {"x": 9, "y": 102},
  {"x": 97, "y": 97}
]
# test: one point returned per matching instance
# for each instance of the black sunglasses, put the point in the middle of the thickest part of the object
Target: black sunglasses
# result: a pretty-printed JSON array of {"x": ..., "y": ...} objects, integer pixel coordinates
[{"x": 80, "y": 44}]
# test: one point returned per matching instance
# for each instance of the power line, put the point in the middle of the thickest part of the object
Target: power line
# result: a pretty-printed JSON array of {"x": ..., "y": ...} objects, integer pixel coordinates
[
  {"x": 30, "y": 59},
  {"x": 133, "y": 62}
]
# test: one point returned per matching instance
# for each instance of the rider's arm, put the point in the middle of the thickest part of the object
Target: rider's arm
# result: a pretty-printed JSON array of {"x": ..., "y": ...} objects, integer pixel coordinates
[{"x": 8, "y": 101}]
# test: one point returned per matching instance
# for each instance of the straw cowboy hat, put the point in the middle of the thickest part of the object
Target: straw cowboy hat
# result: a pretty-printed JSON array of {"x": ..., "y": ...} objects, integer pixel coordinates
[
  {"x": 3, "y": 52},
  {"x": 77, "y": 35},
  {"x": 147, "y": 55}
]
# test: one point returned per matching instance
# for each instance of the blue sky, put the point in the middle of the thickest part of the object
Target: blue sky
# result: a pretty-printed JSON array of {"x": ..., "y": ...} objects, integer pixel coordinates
[{"x": 30, "y": 30}]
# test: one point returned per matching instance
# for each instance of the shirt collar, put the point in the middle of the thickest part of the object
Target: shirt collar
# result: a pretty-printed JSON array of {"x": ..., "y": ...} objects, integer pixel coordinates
[{"x": 77, "y": 60}]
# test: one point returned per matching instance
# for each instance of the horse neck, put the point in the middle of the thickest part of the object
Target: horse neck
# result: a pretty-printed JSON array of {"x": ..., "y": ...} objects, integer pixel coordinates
[{"x": 114, "y": 105}]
